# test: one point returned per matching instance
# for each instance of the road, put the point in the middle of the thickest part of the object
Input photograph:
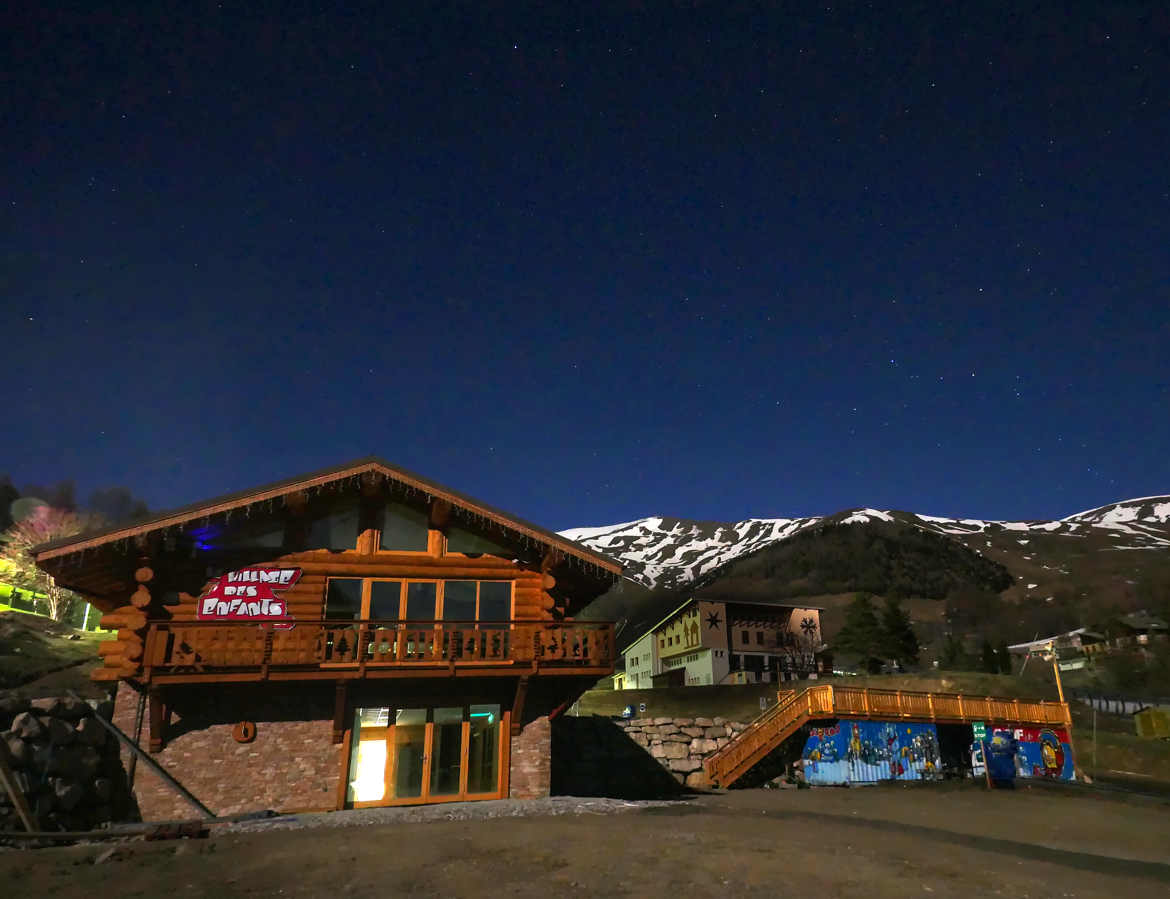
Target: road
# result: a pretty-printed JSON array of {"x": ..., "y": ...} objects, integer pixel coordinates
[{"x": 889, "y": 841}]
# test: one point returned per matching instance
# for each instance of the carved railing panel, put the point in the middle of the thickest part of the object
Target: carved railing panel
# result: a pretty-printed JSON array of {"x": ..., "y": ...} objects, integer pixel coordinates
[{"x": 212, "y": 646}]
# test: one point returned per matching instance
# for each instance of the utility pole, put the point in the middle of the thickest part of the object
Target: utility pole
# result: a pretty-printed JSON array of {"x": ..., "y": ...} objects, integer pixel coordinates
[{"x": 1067, "y": 712}]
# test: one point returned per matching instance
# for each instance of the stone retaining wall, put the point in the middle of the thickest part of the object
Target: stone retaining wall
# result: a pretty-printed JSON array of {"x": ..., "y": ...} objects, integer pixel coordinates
[
  {"x": 681, "y": 744},
  {"x": 65, "y": 762}
]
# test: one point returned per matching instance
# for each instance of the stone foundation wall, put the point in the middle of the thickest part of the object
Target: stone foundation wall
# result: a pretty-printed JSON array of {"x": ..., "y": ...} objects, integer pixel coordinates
[
  {"x": 530, "y": 773},
  {"x": 291, "y": 765},
  {"x": 681, "y": 744}
]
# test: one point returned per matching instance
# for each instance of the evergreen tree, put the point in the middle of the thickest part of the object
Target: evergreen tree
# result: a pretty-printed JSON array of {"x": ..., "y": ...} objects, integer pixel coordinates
[
  {"x": 952, "y": 654},
  {"x": 990, "y": 661},
  {"x": 861, "y": 635},
  {"x": 900, "y": 641},
  {"x": 1005, "y": 658}
]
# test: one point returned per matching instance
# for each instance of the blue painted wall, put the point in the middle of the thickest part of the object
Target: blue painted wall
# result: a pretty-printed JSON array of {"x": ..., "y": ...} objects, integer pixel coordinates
[{"x": 870, "y": 751}]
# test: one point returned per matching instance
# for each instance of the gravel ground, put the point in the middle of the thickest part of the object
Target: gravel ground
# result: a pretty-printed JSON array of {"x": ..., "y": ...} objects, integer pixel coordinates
[{"x": 451, "y": 811}]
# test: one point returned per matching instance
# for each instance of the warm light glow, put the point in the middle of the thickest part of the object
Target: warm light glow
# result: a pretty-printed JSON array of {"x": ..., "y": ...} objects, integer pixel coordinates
[{"x": 369, "y": 784}]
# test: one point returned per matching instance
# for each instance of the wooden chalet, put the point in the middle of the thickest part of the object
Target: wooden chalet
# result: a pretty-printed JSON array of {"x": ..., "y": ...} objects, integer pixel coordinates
[{"x": 358, "y": 636}]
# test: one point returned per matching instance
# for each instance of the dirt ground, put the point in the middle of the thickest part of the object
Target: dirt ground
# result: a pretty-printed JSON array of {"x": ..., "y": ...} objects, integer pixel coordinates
[{"x": 873, "y": 842}]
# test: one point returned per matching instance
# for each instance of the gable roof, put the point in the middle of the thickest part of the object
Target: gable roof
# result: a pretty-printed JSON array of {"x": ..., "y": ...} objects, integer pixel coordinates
[{"x": 279, "y": 489}]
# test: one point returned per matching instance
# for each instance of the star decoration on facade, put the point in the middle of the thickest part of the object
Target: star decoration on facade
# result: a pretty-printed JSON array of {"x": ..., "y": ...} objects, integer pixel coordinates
[
  {"x": 809, "y": 626},
  {"x": 713, "y": 619}
]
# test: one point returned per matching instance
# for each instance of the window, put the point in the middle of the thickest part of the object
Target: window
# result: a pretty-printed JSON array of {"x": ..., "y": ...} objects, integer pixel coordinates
[
  {"x": 336, "y": 531},
  {"x": 403, "y": 529},
  {"x": 461, "y": 541},
  {"x": 385, "y": 600},
  {"x": 759, "y": 638},
  {"x": 477, "y": 600},
  {"x": 343, "y": 599},
  {"x": 662, "y": 643},
  {"x": 421, "y": 599},
  {"x": 743, "y": 636}
]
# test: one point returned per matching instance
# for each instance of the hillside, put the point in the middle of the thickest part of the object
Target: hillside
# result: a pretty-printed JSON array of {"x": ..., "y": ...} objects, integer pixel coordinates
[{"x": 1059, "y": 574}]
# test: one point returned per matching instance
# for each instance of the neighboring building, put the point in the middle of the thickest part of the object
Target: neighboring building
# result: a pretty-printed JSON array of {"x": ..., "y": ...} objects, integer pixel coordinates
[
  {"x": 1140, "y": 628},
  {"x": 726, "y": 641},
  {"x": 1080, "y": 641},
  {"x": 359, "y": 636}
]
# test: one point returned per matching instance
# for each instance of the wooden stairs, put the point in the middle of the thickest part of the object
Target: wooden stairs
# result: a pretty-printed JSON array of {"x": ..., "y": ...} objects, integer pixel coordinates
[{"x": 795, "y": 709}]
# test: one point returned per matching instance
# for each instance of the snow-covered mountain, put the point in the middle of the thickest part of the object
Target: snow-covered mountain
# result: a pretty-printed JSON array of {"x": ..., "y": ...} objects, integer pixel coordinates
[{"x": 670, "y": 552}]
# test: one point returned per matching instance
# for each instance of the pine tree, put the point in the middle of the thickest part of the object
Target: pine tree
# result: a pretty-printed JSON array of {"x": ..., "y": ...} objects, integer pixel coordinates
[
  {"x": 990, "y": 662},
  {"x": 952, "y": 654},
  {"x": 861, "y": 635},
  {"x": 899, "y": 640},
  {"x": 1005, "y": 658}
]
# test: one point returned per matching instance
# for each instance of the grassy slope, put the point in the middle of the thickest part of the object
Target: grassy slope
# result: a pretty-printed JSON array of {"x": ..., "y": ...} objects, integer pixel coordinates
[{"x": 32, "y": 647}]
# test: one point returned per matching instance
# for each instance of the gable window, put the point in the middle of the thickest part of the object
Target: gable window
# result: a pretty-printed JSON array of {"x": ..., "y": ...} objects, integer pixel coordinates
[
  {"x": 403, "y": 529},
  {"x": 336, "y": 531},
  {"x": 461, "y": 541}
]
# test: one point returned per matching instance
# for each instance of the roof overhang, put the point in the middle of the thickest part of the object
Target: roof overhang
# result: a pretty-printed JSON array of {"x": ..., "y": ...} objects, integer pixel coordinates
[{"x": 363, "y": 468}]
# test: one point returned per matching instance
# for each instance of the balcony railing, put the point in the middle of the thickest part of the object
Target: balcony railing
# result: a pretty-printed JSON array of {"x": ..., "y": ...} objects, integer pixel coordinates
[{"x": 206, "y": 647}]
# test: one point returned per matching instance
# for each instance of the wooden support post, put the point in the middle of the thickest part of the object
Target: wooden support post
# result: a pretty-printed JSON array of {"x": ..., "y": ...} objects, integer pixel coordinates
[
  {"x": 518, "y": 705},
  {"x": 158, "y": 716},
  {"x": 19, "y": 800},
  {"x": 340, "y": 700}
]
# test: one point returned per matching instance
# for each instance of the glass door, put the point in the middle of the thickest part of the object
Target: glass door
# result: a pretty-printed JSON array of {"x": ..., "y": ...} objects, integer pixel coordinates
[
  {"x": 408, "y": 753},
  {"x": 408, "y": 756}
]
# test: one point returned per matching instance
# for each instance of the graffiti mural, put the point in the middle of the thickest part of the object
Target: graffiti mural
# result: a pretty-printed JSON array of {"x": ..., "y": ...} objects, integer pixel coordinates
[
  {"x": 1043, "y": 752},
  {"x": 869, "y": 751}
]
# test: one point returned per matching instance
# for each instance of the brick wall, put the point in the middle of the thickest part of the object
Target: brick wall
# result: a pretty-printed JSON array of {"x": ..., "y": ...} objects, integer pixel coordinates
[
  {"x": 292, "y": 765},
  {"x": 531, "y": 765}
]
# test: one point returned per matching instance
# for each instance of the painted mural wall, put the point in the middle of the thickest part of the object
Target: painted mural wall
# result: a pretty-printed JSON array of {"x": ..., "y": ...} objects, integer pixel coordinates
[
  {"x": 871, "y": 751},
  {"x": 1042, "y": 752}
]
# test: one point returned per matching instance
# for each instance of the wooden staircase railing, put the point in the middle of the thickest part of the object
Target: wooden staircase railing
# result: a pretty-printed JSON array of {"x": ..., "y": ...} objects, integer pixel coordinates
[{"x": 793, "y": 710}]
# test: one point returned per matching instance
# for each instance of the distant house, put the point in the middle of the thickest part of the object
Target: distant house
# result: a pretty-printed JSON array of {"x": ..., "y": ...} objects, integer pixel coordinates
[
  {"x": 1140, "y": 627},
  {"x": 1080, "y": 641},
  {"x": 706, "y": 641}
]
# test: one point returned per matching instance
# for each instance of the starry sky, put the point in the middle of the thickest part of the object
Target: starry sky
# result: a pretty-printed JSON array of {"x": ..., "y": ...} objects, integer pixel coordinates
[{"x": 594, "y": 262}]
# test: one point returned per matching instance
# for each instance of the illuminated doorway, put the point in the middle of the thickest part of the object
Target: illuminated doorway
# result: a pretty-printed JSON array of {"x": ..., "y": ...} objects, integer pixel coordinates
[{"x": 409, "y": 756}]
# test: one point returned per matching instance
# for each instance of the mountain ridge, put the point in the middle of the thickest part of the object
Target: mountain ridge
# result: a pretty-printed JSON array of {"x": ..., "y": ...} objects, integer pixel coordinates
[{"x": 666, "y": 552}]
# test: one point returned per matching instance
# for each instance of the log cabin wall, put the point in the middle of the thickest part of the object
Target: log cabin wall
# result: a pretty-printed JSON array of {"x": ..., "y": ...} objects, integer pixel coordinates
[{"x": 306, "y": 599}]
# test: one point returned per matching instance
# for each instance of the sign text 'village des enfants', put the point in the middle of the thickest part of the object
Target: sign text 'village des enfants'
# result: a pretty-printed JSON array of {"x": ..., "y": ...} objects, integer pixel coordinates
[{"x": 249, "y": 595}]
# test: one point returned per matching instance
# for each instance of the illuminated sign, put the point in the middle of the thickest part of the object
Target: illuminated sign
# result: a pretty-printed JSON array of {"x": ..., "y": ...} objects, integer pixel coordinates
[{"x": 249, "y": 595}]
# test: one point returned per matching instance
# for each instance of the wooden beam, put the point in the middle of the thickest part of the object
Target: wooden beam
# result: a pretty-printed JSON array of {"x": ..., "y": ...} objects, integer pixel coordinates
[
  {"x": 19, "y": 800},
  {"x": 340, "y": 698},
  {"x": 158, "y": 716},
  {"x": 440, "y": 514},
  {"x": 518, "y": 705},
  {"x": 154, "y": 766}
]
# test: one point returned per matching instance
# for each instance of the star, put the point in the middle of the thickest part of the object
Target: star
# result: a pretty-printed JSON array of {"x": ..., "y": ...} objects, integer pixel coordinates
[{"x": 713, "y": 620}]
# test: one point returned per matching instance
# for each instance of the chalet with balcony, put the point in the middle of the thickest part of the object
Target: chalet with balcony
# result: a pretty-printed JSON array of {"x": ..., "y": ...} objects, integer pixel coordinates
[{"x": 354, "y": 637}]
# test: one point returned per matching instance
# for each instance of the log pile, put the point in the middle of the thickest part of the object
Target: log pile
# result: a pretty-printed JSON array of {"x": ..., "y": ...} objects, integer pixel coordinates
[{"x": 66, "y": 764}]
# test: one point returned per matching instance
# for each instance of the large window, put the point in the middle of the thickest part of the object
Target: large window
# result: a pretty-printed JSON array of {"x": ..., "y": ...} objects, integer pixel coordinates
[
  {"x": 336, "y": 531},
  {"x": 403, "y": 529},
  {"x": 461, "y": 541},
  {"x": 408, "y": 600}
]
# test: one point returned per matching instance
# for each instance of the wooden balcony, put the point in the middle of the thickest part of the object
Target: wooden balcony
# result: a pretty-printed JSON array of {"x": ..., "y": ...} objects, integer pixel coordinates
[{"x": 341, "y": 650}]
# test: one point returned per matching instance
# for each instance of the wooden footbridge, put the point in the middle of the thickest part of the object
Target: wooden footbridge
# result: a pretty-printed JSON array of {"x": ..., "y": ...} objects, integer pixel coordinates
[{"x": 795, "y": 709}]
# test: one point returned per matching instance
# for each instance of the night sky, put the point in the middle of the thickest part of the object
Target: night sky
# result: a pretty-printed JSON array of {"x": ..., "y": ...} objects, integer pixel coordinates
[{"x": 711, "y": 260}]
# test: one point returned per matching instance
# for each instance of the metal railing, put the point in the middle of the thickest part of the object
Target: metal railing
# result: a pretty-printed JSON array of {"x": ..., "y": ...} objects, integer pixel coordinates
[{"x": 778, "y": 723}]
